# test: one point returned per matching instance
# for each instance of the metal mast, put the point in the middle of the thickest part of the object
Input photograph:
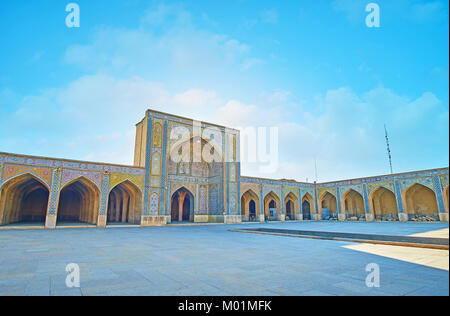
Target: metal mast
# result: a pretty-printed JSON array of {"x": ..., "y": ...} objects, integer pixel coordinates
[
  {"x": 315, "y": 167},
  {"x": 388, "y": 148}
]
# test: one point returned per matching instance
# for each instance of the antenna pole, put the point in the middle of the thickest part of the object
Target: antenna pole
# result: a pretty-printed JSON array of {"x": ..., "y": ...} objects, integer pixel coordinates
[
  {"x": 315, "y": 167},
  {"x": 388, "y": 148}
]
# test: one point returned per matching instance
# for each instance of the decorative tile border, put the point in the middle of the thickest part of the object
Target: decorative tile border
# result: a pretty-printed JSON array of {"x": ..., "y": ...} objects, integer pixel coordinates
[
  {"x": 118, "y": 178},
  {"x": 163, "y": 194},
  {"x": 11, "y": 171},
  {"x": 105, "y": 193},
  {"x": 69, "y": 164},
  {"x": 69, "y": 175},
  {"x": 54, "y": 193},
  {"x": 148, "y": 148}
]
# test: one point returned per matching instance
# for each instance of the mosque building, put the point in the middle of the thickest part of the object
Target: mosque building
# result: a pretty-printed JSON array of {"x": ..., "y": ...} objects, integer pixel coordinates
[{"x": 186, "y": 171}]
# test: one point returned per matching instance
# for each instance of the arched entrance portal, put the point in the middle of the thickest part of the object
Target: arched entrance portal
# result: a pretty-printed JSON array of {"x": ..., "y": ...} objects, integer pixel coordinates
[
  {"x": 291, "y": 206},
  {"x": 182, "y": 206},
  {"x": 23, "y": 199},
  {"x": 272, "y": 206},
  {"x": 252, "y": 209},
  {"x": 308, "y": 207},
  {"x": 328, "y": 206},
  {"x": 79, "y": 202},
  {"x": 420, "y": 201},
  {"x": 353, "y": 205},
  {"x": 249, "y": 205},
  {"x": 289, "y": 210},
  {"x": 383, "y": 204},
  {"x": 125, "y": 204}
]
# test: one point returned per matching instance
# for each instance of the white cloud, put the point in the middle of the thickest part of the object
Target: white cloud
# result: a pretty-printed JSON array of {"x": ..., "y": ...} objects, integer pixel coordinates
[
  {"x": 178, "y": 48},
  {"x": 92, "y": 117},
  {"x": 195, "y": 98},
  {"x": 269, "y": 16}
]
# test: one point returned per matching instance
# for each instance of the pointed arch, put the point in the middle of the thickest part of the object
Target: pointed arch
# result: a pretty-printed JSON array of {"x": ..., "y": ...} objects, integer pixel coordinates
[
  {"x": 182, "y": 205},
  {"x": 25, "y": 173},
  {"x": 327, "y": 206},
  {"x": 79, "y": 201},
  {"x": 272, "y": 206},
  {"x": 291, "y": 206},
  {"x": 308, "y": 207},
  {"x": 419, "y": 200},
  {"x": 250, "y": 206},
  {"x": 353, "y": 205},
  {"x": 125, "y": 203},
  {"x": 24, "y": 198},
  {"x": 383, "y": 204},
  {"x": 82, "y": 179},
  {"x": 132, "y": 182}
]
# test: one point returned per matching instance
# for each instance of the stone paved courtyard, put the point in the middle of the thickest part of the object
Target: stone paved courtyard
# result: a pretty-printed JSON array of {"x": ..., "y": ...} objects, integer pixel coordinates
[{"x": 209, "y": 260}]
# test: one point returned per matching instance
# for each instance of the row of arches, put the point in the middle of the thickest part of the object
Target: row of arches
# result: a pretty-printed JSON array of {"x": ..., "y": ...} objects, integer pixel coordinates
[
  {"x": 250, "y": 206},
  {"x": 418, "y": 200},
  {"x": 25, "y": 199}
]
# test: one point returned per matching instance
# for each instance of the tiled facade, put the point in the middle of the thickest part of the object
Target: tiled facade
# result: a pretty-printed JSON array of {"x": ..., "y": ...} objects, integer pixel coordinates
[{"x": 218, "y": 191}]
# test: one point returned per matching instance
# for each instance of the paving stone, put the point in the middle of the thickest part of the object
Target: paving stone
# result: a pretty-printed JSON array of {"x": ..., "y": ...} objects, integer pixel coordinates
[{"x": 208, "y": 260}]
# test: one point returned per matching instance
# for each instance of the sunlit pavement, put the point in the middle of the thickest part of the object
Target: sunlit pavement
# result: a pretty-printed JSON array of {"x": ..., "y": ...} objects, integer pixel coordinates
[{"x": 210, "y": 260}]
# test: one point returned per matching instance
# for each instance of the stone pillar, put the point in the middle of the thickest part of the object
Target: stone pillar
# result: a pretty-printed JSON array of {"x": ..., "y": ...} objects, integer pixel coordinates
[
  {"x": 119, "y": 207},
  {"x": 316, "y": 203},
  {"x": 102, "y": 215},
  {"x": 197, "y": 201},
  {"x": 52, "y": 208},
  {"x": 299, "y": 216},
  {"x": 341, "y": 216},
  {"x": 125, "y": 208},
  {"x": 261, "y": 204},
  {"x": 369, "y": 216},
  {"x": 402, "y": 216},
  {"x": 180, "y": 206},
  {"x": 443, "y": 215}
]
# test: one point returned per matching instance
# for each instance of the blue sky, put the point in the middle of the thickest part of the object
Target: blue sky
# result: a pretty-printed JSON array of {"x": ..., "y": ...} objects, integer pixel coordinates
[{"x": 311, "y": 68}]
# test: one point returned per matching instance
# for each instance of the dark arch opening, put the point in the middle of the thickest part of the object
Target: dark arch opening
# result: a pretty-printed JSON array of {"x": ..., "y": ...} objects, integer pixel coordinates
[
  {"x": 272, "y": 204},
  {"x": 182, "y": 206},
  {"x": 329, "y": 206},
  {"x": 252, "y": 209},
  {"x": 421, "y": 202},
  {"x": 306, "y": 208},
  {"x": 125, "y": 204},
  {"x": 78, "y": 202},
  {"x": 384, "y": 204},
  {"x": 289, "y": 210},
  {"x": 23, "y": 199}
]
